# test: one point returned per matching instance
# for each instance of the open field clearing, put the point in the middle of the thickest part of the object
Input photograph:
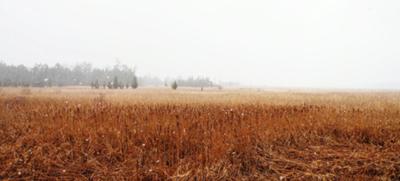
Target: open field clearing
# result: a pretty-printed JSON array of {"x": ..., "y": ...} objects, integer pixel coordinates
[{"x": 161, "y": 134}]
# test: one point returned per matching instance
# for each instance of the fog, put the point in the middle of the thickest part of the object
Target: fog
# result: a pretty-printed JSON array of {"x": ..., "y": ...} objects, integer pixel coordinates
[{"x": 309, "y": 43}]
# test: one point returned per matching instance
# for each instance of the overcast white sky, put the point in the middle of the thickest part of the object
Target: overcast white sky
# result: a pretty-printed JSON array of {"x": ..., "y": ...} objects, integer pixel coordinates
[{"x": 306, "y": 43}]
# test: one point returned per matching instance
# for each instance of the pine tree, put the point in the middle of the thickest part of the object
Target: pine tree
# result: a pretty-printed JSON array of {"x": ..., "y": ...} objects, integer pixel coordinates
[
  {"x": 174, "y": 85},
  {"x": 96, "y": 84},
  {"x": 134, "y": 82},
  {"x": 115, "y": 83}
]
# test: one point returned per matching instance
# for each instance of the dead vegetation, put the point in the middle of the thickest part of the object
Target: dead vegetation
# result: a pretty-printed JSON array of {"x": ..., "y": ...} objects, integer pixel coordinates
[
  {"x": 26, "y": 91},
  {"x": 161, "y": 135}
]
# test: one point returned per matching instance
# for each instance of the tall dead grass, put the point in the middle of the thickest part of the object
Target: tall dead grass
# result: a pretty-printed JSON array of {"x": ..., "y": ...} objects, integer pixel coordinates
[{"x": 102, "y": 137}]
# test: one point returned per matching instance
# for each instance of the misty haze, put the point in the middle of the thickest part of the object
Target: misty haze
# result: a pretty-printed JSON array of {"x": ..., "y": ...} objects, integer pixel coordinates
[{"x": 199, "y": 90}]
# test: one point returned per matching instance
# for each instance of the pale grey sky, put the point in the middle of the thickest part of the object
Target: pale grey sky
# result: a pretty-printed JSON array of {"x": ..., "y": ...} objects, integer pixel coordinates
[{"x": 302, "y": 43}]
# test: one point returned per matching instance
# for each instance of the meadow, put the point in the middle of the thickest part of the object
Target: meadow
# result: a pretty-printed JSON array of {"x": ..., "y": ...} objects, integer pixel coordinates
[{"x": 187, "y": 134}]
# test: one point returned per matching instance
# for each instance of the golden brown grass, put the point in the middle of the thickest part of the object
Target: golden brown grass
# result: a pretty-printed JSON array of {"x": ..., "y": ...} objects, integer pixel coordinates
[{"x": 152, "y": 134}]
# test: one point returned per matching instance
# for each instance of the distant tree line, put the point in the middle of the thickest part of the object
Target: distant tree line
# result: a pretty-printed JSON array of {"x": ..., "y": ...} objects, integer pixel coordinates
[
  {"x": 195, "y": 82},
  {"x": 117, "y": 77}
]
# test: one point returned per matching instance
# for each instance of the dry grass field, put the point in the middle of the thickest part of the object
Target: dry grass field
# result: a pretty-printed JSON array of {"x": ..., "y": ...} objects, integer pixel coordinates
[{"x": 161, "y": 134}]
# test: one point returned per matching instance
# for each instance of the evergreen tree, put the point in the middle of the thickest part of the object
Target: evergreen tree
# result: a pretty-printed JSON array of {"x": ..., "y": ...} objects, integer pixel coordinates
[
  {"x": 174, "y": 85},
  {"x": 96, "y": 84},
  {"x": 134, "y": 82},
  {"x": 115, "y": 83}
]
